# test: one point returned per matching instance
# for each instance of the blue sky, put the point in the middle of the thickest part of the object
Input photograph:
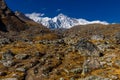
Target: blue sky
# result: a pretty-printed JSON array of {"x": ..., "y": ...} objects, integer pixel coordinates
[{"x": 105, "y": 10}]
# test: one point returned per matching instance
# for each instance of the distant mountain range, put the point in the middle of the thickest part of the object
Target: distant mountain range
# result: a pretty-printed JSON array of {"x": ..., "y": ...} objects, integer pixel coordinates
[{"x": 61, "y": 21}]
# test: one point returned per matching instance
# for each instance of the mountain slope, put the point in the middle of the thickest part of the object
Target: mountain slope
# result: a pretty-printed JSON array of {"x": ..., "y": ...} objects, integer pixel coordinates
[
  {"x": 61, "y": 21},
  {"x": 8, "y": 20}
]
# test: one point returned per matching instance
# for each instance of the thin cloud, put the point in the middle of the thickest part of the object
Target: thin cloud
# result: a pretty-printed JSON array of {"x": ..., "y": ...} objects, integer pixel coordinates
[
  {"x": 43, "y": 8},
  {"x": 34, "y": 14},
  {"x": 58, "y": 10}
]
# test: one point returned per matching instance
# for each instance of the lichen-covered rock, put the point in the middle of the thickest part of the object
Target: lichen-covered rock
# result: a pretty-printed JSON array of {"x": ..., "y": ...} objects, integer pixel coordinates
[
  {"x": 39, "y": 54},
  {"x": 117, "y": 63},
  {"x": 4, "y": 41},
  {"x": 8, "y": 63},
  {"x": 21, "y": 56},
  {"x": 76, "y": 70},
  {"x": 97, "y": 37},
  {"x": 21, "y": 69},
  {"x": 7, "y": 55},
  {"x": 94, "y": 78},
  {"x": 91, "y": 64},
  {"x": 9, "y": 79}
]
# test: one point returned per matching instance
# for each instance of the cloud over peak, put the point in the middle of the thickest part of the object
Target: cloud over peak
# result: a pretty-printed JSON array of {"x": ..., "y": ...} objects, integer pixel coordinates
[{"x": 34, "y": 14}]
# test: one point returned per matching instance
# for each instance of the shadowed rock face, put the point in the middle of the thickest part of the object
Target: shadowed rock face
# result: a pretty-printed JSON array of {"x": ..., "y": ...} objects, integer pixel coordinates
[
  {"x": 22, "y": 16},
  {"x": 2, "y": 4},
  {"x": 2, "y": 27},
  {"x": 4, "y": 10},
  {"x": 8, "y": 20}
]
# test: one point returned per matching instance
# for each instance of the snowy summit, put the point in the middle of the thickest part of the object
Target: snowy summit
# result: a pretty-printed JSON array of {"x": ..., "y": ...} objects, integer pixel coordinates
[{"x": 61, "y": 21}]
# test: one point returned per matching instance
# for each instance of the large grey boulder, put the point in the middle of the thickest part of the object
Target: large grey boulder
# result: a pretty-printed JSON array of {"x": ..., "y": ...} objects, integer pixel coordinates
[
  {"x": 87, "y": 48},
  {"x": 4, "y": 41},
  {"x": 8, "y": 55},
  {"x": 21, "y": 56},
  {"x": 8, "y": 63},
  {"x": 97, "y": 37},
  {"x": 7, "y": 59}
]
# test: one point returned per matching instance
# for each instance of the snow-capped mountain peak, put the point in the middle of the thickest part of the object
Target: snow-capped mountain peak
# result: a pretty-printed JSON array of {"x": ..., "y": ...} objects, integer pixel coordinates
[
  {"x": 61, "y": 21},
  {"x": 61, "y": 16}
]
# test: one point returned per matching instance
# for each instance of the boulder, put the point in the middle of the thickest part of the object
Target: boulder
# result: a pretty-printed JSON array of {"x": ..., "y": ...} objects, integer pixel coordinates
[
  {"x": 97, "y": 37},
  {"x": 9, "y": 79},
  {"x": 94, "y": 78},
  {"x": 8, "y": 63},
  {"x": 8, "y": 55},
  {"x": 21, "y": 69},
  {"x": 21, "y": 56},
  {"x": 4, "y": 41}
]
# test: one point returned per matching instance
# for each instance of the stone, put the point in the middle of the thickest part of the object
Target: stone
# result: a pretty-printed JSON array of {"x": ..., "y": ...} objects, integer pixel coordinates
[
  {"x": 117, "y": 63},
  {"x": 62, "y": 79},
  {"x": 8, "y": 63},
  {"x": 39, "y": 54},
  {"x": 33, "y": 63},
  {"x": 7, "y": 59},
  {"x": 91, "y": 64},
  {"x": 76, "y": 70},
  {"x": 4, "y": 41},
  {"x": 94, "y": 78},
  {"x": 103, "y": 47},
  {"x": 60, "y": 41},
  {"x": 21, "y": 69},
  {"x": 21, "y": 56},
  {"x": 114, "y": 77},
  {"x": 9, "y": 79},
  {"x": 47, "y": 70},
  {"x": 109, "y": 64},
  {"x": 103, "y": 63},
  {"x": 7, "y": 55},
  {"x": 97, "y": 37},
  {"x": 109, "y": 59},
  {"x": 36, "y": 71},
  {"x": 72, "y": 78}
]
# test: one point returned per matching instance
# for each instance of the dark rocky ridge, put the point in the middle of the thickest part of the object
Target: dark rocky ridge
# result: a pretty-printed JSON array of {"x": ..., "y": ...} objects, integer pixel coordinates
[
  {"x": 8, "y": 20},
  {"x": 22, "y": 16}
]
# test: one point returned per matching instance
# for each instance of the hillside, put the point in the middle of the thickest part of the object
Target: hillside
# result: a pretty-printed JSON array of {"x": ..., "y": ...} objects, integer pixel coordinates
[
  {"x": 30, "y": 51},
  {"x": 93, "y": 29},
  {"x": 50, "y": 57}
]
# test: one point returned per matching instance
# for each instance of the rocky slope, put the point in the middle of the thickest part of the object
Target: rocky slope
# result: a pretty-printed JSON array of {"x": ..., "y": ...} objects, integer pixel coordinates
[
  {"x": 87, "y": 52},
  {"x": 74, "y": 57}
]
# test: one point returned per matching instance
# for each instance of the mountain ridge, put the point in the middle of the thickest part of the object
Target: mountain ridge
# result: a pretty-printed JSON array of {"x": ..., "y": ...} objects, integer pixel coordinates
[{"x": 62, "y": 21}]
